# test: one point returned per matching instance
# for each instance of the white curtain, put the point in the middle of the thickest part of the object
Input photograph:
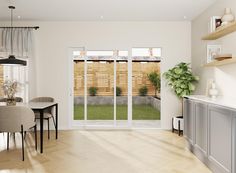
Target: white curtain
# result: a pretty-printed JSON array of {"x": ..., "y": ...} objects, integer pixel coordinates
[
  {"x": 22, "y": 42},
  {"x": 23, "y": 48}
]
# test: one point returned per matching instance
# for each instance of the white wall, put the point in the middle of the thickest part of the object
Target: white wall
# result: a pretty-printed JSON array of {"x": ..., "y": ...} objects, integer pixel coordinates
[
  {"x": 225, "y": 76},
  {"x": 54, "y": 38}
]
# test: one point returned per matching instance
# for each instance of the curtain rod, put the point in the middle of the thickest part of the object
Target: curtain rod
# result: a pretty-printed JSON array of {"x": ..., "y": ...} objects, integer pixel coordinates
[{"x": 32, "y": 27}]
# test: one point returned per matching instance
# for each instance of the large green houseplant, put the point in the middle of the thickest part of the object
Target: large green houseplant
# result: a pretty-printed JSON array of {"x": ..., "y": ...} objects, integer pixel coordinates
[{"x": 181, "y": 79}]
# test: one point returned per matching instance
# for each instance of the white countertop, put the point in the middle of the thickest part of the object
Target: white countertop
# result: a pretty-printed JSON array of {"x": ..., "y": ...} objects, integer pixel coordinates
[{"x": 221, "y": 101}]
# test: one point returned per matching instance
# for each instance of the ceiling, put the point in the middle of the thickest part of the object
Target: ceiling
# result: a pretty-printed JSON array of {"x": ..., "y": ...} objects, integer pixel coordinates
[{"x": 106, "y": 10}]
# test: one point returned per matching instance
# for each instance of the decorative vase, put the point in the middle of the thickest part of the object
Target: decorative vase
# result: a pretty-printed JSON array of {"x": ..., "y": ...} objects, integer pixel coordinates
[
  {"x": 11, "y": 101},
  {"x": 213, "y": 92},
  {"x": 228, "y": 17}
]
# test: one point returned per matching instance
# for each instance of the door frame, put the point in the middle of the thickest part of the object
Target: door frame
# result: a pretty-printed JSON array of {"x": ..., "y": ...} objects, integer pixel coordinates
[
  {"x": 83, "y": 123},
  {"x": 72, "y": 124},
  {"x": 75, "y": 124}
]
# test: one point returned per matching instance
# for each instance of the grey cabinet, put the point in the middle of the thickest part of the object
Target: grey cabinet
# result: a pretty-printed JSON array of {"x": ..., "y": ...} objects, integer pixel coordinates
[
  {"x": 211, "y": 133},
  {"x": 189, "y": 120},
  {"x": 201, "y": 127},
  {"x": 220, "y": 138}
]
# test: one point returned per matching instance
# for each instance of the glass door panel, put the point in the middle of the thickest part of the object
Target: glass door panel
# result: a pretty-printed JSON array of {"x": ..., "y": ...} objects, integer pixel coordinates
[
  {"x": 145, "y": 103},
  {"x": 79, "y": 89},
  {"x": 100, "y": 84},
  {"x": 122, "y": 92}
]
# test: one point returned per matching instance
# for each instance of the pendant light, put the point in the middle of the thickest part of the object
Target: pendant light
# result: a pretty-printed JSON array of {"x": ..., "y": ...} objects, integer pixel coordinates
[{"x": 11, "y": 60}]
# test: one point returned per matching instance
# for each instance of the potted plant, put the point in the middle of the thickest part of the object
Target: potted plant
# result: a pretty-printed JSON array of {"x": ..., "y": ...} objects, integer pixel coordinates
[
  {"x": 143, "y": 91},
  {"x": 181, "y": 80},
  {"x": 10, "y": 88},
  {"x": 93, "y": 91},
  {"x": 155, "y": 79}
]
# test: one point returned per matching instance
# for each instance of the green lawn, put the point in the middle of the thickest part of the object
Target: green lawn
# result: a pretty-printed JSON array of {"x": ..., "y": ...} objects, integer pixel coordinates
[{"x": 105, "y": 112}]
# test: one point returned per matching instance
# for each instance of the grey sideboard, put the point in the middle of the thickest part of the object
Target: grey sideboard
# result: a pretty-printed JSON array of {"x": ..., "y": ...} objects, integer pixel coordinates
[{"x": 210, "y": 129}]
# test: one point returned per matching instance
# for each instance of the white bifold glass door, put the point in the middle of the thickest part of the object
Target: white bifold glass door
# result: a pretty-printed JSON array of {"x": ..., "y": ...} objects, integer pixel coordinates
[
  {"x": 100, "y": 88},
  {"x": 110, "y": 88}
]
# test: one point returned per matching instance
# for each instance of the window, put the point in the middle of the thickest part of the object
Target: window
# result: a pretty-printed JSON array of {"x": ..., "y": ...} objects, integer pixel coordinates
[
  {"x": 146, "y": 52},
  {"x": 99, "y": 53},
  {"x": 19, "y": 74},
  {"x": 123, "y": 53}
]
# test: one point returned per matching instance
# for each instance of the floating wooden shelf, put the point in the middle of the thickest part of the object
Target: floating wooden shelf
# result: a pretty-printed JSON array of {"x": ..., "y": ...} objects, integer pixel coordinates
[
  {"x": 221, "y": 31},
  {"x": 220, "y": 63}
]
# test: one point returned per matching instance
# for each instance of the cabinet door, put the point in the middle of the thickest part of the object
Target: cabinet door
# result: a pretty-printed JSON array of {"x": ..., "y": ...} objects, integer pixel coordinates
[
  {"x": 201, "y": 127},
  {"x": 188, "y": 120},
  {"x": 220, "y": 138}
]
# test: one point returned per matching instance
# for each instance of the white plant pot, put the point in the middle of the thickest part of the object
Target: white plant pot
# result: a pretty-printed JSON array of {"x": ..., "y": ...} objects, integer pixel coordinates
[{"x": 176, "y": 121}]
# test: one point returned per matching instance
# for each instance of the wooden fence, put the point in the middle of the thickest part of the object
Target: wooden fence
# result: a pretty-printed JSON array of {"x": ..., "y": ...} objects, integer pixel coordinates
[{"x": 101, "y": 76}]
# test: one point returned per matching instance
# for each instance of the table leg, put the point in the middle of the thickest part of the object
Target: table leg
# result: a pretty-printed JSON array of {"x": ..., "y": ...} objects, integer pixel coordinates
[
  {"x": 56, "y": 121},
  {"x": 41, "y": 131}
]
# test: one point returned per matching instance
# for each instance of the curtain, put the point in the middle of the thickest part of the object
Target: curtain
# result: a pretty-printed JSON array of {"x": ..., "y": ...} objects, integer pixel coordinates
[
  {"x": 22, "y": 42},
  {"x": 23, "y": 48}
]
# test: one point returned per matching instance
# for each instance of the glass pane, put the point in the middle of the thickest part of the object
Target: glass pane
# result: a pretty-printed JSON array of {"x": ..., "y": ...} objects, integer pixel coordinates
[
  {"x": 123, "y": 53},
  {"x": 78, "y": 90},
  {"x": 19, "y": 74},
  {"x": 145, "y": 52},
  {"x": 100, "y": 83},
  {"x": 156, "y": 52},
  {"x": 100, "y": 53},
  {"x": 76, "y": 53},
  {"x": 122, "y": 91},
  {"x": 146, "y": 105},
  {"x": 140, "y": 52}
]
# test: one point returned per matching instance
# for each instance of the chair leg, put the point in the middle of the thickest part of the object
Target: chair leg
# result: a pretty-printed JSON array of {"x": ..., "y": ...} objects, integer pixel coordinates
[
  {"x": 35, "y": 136},
  {"x": 25, "y": 135},
  {"x": 22, "y": 140},
  {"x": 54, "y": 121},
  {"x": 48, "y": 129},
  {"x": 8, "y": 134}
]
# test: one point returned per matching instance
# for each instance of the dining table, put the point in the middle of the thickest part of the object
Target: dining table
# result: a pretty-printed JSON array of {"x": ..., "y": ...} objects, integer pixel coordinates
[{"x": 40, "y": 107}]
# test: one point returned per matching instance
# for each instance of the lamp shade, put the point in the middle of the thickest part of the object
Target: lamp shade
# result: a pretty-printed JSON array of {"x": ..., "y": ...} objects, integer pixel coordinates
[{"x": 11, "y": 60}]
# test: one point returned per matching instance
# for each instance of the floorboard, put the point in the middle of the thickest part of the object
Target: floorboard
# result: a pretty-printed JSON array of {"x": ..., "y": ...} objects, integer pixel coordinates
[{"x": 102, "y": 151}]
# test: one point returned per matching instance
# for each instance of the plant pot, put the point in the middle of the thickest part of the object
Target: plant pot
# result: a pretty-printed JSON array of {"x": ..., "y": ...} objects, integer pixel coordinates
[
  {"x": 178, "y": 124},
  {"x": 11, "y": 101}
]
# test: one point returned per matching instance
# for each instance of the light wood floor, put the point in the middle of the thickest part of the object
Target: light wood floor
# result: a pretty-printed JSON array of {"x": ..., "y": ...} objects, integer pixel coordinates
[{"x": 103, "y": 151}]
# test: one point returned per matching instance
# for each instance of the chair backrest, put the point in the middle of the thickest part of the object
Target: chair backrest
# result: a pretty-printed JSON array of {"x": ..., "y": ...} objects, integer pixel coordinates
[
  {"x": 44, "y": 99},
  {"x": 18, "y": 99},
  {"x": 12, "y": 117}
]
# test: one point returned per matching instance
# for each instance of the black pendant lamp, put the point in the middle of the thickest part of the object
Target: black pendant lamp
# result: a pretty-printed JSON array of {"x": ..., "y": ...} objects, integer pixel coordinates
[{"x": 11, "y": 60}]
